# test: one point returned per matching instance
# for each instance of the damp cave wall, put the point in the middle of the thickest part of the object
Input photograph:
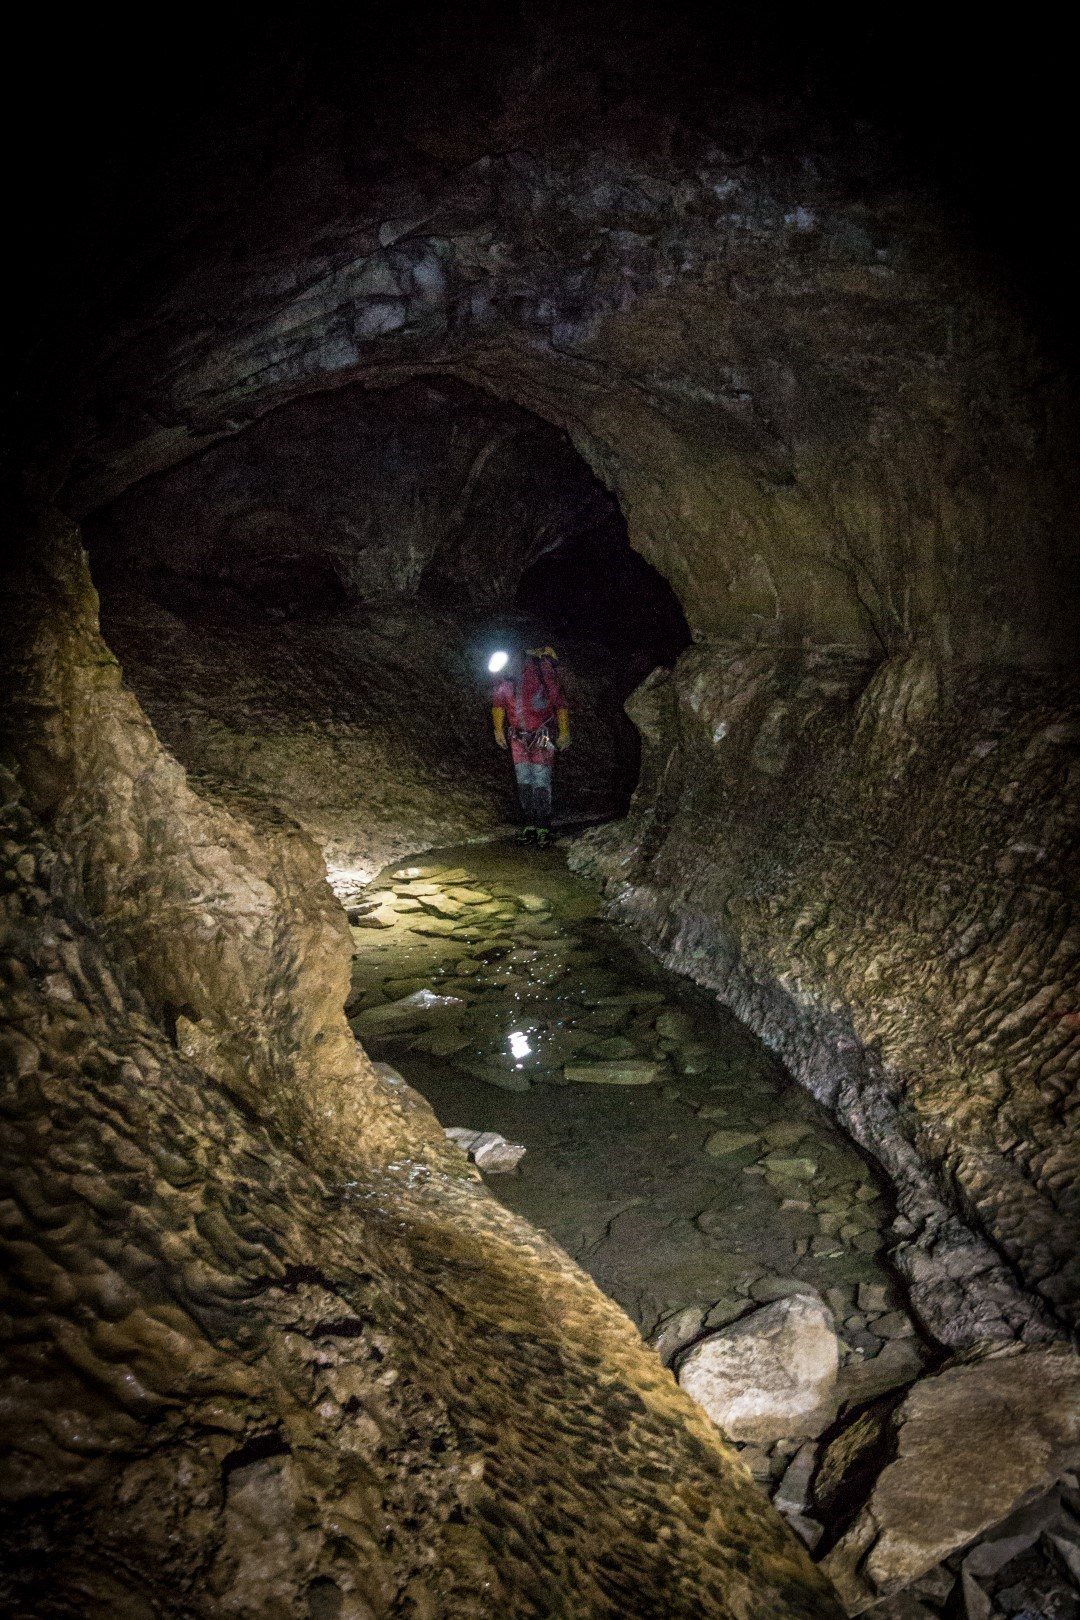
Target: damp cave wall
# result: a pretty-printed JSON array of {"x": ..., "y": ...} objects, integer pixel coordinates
[
  {"x": 833, "y": 431},
  {"x": 230, "y": 1243},
  {"x": 836, "y": 430}
]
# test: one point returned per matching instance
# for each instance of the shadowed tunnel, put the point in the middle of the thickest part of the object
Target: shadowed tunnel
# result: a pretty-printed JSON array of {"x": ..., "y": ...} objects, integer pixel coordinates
[{"x": 403, "y": 1220}]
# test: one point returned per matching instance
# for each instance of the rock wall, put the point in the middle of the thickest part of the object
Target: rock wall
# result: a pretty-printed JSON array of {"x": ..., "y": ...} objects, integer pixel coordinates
[
  {"x": 821, "y": 415},
  {"x": 236, "y": 1386},
  {"x": 355, "y": 496},
  {"x": 226, "y": 922},
  {"x": 270, "y": 1344},
  {"x": 871, "y": 864}
]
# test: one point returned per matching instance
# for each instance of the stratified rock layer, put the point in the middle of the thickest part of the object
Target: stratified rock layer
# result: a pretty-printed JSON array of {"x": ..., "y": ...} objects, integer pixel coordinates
[{"x": 871, "y": 864}]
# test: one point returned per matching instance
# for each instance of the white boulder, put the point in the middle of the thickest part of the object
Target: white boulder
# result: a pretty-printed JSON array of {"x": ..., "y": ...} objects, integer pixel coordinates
[{"x": 770, "y": 1376}]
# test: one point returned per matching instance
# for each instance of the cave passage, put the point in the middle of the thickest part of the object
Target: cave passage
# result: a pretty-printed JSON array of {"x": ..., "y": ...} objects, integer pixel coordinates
[
  {"x": 306, "y": 610},
  {"x": 666, "y": 1149}
]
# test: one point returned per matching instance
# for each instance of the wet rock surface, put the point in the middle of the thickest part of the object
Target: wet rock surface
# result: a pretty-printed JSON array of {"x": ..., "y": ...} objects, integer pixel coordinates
[
  {"x": 217, "y": 1401},
  {"x": 496, "y": 1019},
  {"x": 890, "y": 906}
]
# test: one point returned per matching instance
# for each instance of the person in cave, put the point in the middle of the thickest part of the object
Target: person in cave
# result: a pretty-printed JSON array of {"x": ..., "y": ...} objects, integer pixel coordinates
[{"x": 531, "y": 717}]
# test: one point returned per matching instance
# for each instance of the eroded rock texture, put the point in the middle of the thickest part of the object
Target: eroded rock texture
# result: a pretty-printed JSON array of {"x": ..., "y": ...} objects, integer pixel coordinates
[
  {"x": 269, "y": 1349},
  {"x": 872, "y": 864},
  {"x": 220, "y": 1399}
]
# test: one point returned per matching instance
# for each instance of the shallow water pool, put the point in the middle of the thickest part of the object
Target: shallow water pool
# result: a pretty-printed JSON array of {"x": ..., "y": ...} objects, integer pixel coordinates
[{"x": 666, "y": 1149}]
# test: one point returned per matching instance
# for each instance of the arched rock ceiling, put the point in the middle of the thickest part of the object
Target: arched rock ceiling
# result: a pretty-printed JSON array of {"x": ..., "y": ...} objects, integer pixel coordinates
[{"x": 821, "y": 419}]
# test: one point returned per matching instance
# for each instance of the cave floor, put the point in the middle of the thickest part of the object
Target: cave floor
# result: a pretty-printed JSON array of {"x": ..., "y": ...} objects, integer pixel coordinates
[{"x": 710, "y": 1182}]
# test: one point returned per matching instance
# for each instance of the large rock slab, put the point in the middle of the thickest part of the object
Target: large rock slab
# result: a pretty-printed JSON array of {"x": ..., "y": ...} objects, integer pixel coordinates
[
  {"x": 770, "y": 1376},
  {"x": 410, "y": 1012},
  {"x": 970, "y": 1445}
]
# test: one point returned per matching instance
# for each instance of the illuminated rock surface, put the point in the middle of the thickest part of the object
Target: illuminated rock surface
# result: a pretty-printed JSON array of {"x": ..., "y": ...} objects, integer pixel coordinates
[
  {"x": 272, "y": 1346},
  {"x": 771, "y": 1375},
  {"x": 949, "y": 1478}
]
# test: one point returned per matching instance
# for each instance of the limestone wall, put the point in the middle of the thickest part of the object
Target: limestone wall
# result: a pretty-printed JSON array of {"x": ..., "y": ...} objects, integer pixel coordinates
[
  {"x": 871, "y": 864},
  {"x": 269, "y": 1343}
]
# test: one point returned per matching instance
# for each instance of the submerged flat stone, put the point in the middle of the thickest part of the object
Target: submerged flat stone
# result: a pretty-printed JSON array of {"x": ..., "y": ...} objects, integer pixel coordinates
[
  {"x": 437, "y": 927},
  {"x": 675, "y": 1025},
  {"x": 613, "y": 1048},
  {"x": 721, "y": 1143},
  {"x": 442, "y": 905},
  {"x": 411, "y": 1012},
  {"x": 497, "y": 1074},
  {"x": 790, "y": 1167},
  {"x": 383, "y": 918},
  {"x": 627, "y": 1072},
  {"x": 785, "y": 1133},
  {"x": 443, "y": 1042}
]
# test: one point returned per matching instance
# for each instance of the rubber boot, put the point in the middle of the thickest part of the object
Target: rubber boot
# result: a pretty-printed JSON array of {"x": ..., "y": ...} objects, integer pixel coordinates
[
  {"x": 527, "y": 795},
  {"x": 542, "y": 812}
]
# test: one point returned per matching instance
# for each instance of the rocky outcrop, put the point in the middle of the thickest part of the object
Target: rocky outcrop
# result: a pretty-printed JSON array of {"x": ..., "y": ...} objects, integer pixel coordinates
[
  {"x": 221, "y": 1393},
  {"x": 965, "y": 1449},
  {"x": 772, "y": 1375},
  {"x": 871, "y": 866}
]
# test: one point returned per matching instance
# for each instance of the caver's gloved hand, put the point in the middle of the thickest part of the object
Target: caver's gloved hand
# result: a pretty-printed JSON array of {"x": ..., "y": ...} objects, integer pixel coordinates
[
  {"x": 498, "y": 720},
  {"x": 562, "y": 741}
]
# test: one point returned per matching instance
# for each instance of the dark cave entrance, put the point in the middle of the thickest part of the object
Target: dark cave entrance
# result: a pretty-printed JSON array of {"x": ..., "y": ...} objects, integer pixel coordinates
[
  {"x": 595, "y": 586},
  {"x": 304, "y": 609}
]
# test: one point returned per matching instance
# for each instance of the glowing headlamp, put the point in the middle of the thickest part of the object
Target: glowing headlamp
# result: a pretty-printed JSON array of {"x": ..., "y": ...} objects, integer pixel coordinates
[{"x": 498, "y": 662}]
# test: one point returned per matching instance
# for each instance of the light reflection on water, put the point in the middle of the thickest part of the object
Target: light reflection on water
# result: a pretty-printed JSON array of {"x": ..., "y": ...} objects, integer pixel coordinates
[{"x": 666, "y": 1149}]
